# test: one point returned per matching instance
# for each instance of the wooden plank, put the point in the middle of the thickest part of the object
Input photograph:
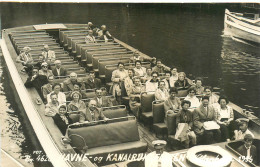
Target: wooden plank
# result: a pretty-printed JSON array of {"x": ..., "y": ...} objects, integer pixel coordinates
[{"x": 49, "y": 26}]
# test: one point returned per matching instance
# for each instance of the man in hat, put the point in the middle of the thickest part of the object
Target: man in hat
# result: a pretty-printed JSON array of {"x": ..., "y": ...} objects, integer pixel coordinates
[
  {"x": 158, "y": 158},
  {"x": 45, "y": 71},
  {"x": 248, "y": 150},
  {"x": 59, "y": 70},
  {"x": 48, "y": 55},
  {"x": 26, "y": 59},
  {"x": 243, "y": 129}
]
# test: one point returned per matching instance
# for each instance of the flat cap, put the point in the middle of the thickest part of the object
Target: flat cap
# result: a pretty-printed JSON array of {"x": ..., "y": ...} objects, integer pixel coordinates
[
  {"x": 57, "y": 62},
  {"x": 242, "y": 120},
  {"x": 159, "y": 143},
  {"x": 44, "y": 64}
]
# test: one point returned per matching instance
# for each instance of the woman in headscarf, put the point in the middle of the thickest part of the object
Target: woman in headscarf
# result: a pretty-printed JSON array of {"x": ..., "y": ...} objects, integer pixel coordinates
[{"x": 62, "y": 119}]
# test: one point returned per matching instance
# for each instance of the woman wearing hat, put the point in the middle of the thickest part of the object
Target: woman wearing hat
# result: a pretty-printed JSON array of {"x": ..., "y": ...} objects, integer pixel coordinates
[
  {"x": 76, "y": 105},
  {"x": 44, "y": 70},
  {"x": 62, "y": 119},
  {"x": 76, "y": 87}
]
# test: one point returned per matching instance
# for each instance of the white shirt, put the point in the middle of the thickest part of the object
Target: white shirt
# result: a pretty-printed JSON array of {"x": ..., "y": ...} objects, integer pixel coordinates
[
  {"x": 152, "y": 160},
  {"x": 161, "y": 94},
  {"x": 151, "y": 86},
  {"x": 194, "y": 101},
  {"x": 61, "y": 97},
  {"x": 141, "y": 71},
  {"x": 173, "y": 79},
  {"x": 240, "y": 135}
]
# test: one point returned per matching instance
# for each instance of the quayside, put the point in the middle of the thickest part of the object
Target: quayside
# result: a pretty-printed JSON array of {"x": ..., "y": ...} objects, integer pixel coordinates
[{"x": 123, "y": 132}]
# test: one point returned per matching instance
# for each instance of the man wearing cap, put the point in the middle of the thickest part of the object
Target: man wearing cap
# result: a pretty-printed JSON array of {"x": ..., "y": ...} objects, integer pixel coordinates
[
  {"x": 243, "y": 129},
  {"x": 158, "y": 158},
  {"x": 68, "y": 83},
  {"x": 59, "y": 70},
  {"x": 248, "y": 150},
  {"x": 90, "y": 37},
  {"x": 45, "y": 71},
  {"x": 48, "y": 55}
]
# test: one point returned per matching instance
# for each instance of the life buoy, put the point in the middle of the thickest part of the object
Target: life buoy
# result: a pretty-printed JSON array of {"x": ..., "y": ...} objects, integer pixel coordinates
[{"x": 223, "y": 159}]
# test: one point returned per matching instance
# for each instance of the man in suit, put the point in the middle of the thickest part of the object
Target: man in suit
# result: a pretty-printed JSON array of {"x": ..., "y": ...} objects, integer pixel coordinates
[
  {"x": 68, "y": 84},
  {"x": 59, "y": 70},
  {"x": 92, "y": 82},
  {"x": 102, "y": 101},
  {"x": 92, "y": 113},
  {"x": 248, "y": 150},
  {"x": 47, "y": 88},
  {"x": 48, "y": 55},
  {"x": 203, "y": 114}
]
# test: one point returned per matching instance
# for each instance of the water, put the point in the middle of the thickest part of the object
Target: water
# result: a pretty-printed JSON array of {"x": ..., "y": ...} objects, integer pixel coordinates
[{"x": 189, "y": 37}]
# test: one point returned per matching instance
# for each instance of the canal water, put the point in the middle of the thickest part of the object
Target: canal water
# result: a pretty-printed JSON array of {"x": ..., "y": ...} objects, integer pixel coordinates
[{"x": 189, "y": 37}]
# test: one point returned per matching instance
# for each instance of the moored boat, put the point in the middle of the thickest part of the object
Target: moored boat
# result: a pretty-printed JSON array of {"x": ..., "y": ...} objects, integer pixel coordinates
[{"x": 103, "y": 57}]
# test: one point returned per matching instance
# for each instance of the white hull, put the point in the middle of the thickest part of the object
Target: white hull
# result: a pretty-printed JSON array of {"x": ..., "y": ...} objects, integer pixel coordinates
[{"x": 241, "y": 28}]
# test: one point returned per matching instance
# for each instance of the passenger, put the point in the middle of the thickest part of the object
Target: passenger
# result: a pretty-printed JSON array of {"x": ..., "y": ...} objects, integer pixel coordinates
[
  {"x": 139, "y": 70},
  {"x": 174, "y": 76},
  {"x": 47, "y": 88},
  {"x": 158, "y": 157},
  {"x": 118, "y": 76},
  {"x": 182, "y": 82},
  {"x": 248, "y": 150},
  {"x": 195, "y": 103},
  {"x": 48, "y": 55},
  {"x": 92, "y": 113},
  {"x": 62, "y": 119},
  {"x": 90, "y": 26},
  {"x": 76, "y": 105},
  {"x": 137, "y": 57},
  {"x": 148, "y": 75},
  {"x": 104, "y": 34},
  {"x": 92, "y": 82},
  {"x": 59, "y": 70},
  {"x": 61, "y": 96},
  {"x": 68, "y": 83},
  {"x": 36, "y": 81},
  {"x": 134, "y": 101},
  {"x": 45, "y": 71},
  {"x": 39, "y": 62},
  {"x": 205, "y": 113},
  {"x": 186, "y": 135},
  {"x": 161, "y": 92},
  {"x": 51, "y": 108},
  {"x": 212, "y": 98},
  {"x": 90, "y": 37},
  {"x": 167, "y": 80},
  {"x": 128, "y": 82},
  {"x": 76, "y": 87},
  {"x": 225, "y": 119},
  {"x": 198, "y": 86},
  {"x": 104, "y": 91},
  {"x": 172, "y": 103},
  {"x": 152, "y": 84},
  {"x": 26, "y": 59},
  {"x": 102, "y": 101},
  {"x": 243, "y": 129},
  {"x": 160, "y": 68}
]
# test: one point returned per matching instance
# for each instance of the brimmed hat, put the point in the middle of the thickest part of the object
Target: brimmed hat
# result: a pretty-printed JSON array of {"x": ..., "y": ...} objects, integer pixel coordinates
[
  {"x": 44, "y": 64},
  {"x": 57, "y": 62},
  {"x": 26, "y": 48},
  {"x": 159, "y": 143},
  {"x": 242, "y": 120}
]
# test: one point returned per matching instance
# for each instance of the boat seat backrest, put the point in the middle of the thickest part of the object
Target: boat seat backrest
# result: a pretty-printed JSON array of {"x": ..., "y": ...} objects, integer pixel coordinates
[
  {"x": 105, "y": 134},
  {"x": 146, "y": 102},
  {"x": 115, "y": 112},
  {"x": 74, "y": 117},
  {"x": 158, "y": 112},
  {"x": 171, "y": 123}
]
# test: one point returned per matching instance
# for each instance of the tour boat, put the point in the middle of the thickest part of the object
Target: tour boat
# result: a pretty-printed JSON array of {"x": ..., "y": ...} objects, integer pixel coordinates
[
  {"x": 245, "y": 26},
  {"x": 120, "y": 140}
]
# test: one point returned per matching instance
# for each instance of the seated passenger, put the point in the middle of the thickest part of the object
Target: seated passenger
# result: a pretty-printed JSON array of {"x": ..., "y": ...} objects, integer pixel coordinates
[
  {"x": 39, "y": 62},
  {"x": 128, "y": 82},
  {"x": 248, "y": 150},
  {"x": 212, "y": 98},
  {"x": 160, "y": 68},
  {"x": 48, "y": 55},
  {"x": 198, "y": 86},
  {"x": 182, "y": 82},
  {"x": 52, "y": 107},
  {"x": 148, "y": 75},
  {"x": 135, "y": 92},
  {"x": 137, "y": 57},
  {"x": 62, "y": 119},
  {"x": 61, "y": 96},
  {"x": 44, "y": 70},
  {"x": 90, "y": 37},
  {"x": 76, "y": 87},
  {"x": 152, "y": 84},
  {"x": 26, "y": 59},
  {"x": 47, "y": 88},
  {"x": 92, "y": 82},
  {"x": 174, "y": 76},
  {"x": 203, "y": 114},
  {"x": 101, "y": 100},
  {"x": 161, "y": 92},
  {"x": 243, "y": 129},
  {"x": 92, "y": 113},
  {"x": 172, "y": 103},
  {"x": 36, "y": 81},
  {"x": 225, "y": 119},
  {"x": 59, "y": 70},
  {"x": 104, "y": 34},
  {"x": 68, "y": 83},
  {"x": 139, "y": 70},
  {"x": 167, "y": 80},
  {"x": 192, "y": 98},
  {"x": 76, "y": 104},
  {"x": 186, "y": 135},
  {"x": 90, "y": 26}
]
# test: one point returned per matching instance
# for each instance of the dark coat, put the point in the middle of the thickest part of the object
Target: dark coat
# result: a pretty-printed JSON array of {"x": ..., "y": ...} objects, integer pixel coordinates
[
  {"x": 63, "y": 72},
  {"x": 37, "y": 83},
  {"x": 185, "y": 117},
  {"x": 243, "y": 151},
  {"x": 106, "y": 102},
  {"x": 201, "y": 116},
  {"x": 86, "y": 116},
  {"x": 61, "y": 124},
  {"x": 92, "y": 85}
]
